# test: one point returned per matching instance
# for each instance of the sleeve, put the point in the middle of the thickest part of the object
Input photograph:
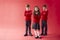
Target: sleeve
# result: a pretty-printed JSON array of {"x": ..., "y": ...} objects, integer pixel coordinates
[
  {"x": 41, "y": 14},
  {"x": 47, "y": 15},
  {"x": 25, "y": 13},
  {"x": 31, "y": 12}
]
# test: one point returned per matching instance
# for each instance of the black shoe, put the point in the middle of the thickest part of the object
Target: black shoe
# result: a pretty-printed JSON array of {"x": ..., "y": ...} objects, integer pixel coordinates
[
  {"x": 36, "y": 37},
  {"x": 39, "y": 37},
  {"x": 42, "y": 34},
  {"x": 26, "y": 35},
  {"x": 45, "y": 34},
  {"x": 30, "y": 34}
]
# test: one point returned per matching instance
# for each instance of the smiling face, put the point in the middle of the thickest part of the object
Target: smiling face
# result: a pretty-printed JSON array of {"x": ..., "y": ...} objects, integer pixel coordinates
[
  {"x": 27, "y": 7},
  {"x": 36, "y": 9},
  {"x": 44, "y": 7}
]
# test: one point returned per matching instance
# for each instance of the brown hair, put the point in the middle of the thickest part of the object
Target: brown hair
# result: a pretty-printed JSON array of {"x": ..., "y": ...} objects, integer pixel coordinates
[
  {"x": 27, "y": 5},
  {"x": 44, "y": 6},
  {"x": 37, "y": 11}
]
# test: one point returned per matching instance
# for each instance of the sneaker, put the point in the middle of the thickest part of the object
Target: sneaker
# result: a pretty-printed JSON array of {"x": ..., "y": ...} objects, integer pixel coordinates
[
  {"x": 39, "y": 37},
  {"x": 30, "y": 34},
  {"x": 45, "y": 34},
  {"x": 25, "y": 35},
  {"x": 42, "y": 34},
  {"x": 36, "y": 37}
]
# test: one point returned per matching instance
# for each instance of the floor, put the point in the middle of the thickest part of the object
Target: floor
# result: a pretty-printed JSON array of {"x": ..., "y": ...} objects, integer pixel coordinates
[
  {"x": 12, "y": 26},
  {"x": 17, "y": 33}
]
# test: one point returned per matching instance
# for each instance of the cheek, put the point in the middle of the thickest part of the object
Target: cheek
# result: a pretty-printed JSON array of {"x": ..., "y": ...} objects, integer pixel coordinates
[
  {"x": 43, "y": 8},
  {"x": 26, "y": 8},
  {"x": 36, "y": 9}
]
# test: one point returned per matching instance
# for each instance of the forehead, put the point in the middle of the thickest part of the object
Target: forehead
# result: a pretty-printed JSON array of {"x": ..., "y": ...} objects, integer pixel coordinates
[
  {"x": 27, "y": 7},
  {"x": 36, "y": 7},
  {"x": 44, "y": 7}
]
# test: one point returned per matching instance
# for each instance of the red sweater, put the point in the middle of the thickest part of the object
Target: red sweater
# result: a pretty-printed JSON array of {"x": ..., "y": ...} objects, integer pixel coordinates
[
  {"x": 44, "y": 15},
  {"x": 36, "y": 18},
  {"x": 28, "y": 15}
]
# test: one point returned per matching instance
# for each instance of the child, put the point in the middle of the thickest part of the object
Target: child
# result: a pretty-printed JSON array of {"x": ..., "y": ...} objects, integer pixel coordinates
[
  {"x": 44, "y": 20},
  {"x": 36, "y": 20},
  {"x": 28, "y": 14}
]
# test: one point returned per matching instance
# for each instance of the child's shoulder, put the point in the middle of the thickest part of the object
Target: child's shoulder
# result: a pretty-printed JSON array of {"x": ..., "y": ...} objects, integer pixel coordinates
[{"x": 30, "y": 10}]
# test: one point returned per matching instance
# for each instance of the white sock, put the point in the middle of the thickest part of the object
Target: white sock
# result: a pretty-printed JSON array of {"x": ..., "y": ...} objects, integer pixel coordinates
[
  {"x": 35, "y": 33},
  {"x": 38, "y": 33}
]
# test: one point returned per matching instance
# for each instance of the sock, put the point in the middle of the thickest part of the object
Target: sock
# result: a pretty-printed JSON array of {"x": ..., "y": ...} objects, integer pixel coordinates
[
  {"x": 38, "y": 33},
  {"x": 35, "y": 33}
]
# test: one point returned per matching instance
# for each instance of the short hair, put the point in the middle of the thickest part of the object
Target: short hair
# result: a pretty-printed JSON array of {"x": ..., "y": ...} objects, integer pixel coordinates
[
  {"x": 44, "y": 6},
  {"x": 27, "y": 5}
]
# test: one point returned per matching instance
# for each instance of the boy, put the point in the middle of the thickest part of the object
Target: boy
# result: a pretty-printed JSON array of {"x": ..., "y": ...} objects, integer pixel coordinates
[
  {"x": 44, "y": 20},
  {"x": 28, "y": 14}
]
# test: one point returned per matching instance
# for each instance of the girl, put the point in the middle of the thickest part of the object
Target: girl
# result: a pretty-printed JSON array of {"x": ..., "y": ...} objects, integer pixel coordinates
[{"x": 36, "y": 20}]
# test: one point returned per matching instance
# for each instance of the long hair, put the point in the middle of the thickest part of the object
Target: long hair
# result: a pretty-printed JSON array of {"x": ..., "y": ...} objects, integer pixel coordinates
[{"x": 37, "y": 11}]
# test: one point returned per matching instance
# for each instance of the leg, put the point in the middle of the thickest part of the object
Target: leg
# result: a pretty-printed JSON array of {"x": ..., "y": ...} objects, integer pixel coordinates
[
  {"x": 38, "y": 29},
  {"x": 30, "y": 28},
  {"x": 30, "y": 31},
  {"x": 35, "y": 30},
  {"x": 42, "y": 28},
  {"x": 36, "y": 34},
  {"x": 46, "y": 28},
  {"x": 26, "y": 28}
]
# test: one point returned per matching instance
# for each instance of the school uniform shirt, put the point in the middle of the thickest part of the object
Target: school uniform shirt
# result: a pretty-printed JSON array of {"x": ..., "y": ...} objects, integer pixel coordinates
[
  {"x": 44, "y": 15},
  {"x": 36, "y": 18},
  {"x": 28, "y": 15}
]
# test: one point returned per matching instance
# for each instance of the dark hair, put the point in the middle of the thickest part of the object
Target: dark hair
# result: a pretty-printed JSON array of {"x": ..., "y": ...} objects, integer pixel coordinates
[
  {"x": 44, "y": 6},
  {"x": 37, "y": 11},
  {"x": 27, "y": 5}
]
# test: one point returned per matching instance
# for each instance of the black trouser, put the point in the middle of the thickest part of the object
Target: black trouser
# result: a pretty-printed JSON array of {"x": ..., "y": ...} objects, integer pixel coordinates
[
  {"x": 28, "y": 27},
  {"x": 44, "y": 27}
]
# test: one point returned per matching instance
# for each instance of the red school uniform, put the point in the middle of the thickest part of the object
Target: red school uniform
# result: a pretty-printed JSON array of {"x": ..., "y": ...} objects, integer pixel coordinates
[
  {"x": 36, "y": 18},
  {"x": 28, "y": 15},
  {"x": 44, "y": 15}
]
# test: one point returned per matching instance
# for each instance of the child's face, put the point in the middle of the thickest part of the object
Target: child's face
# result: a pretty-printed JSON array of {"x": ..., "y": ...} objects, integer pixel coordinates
[
  {"x": 36, "y": 9},
  {"x": 44, "y": 8},
  {"x": 27, "y": 8}
]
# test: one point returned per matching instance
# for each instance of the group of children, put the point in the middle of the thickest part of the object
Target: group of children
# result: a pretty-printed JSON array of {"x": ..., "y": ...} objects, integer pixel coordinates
[{"x": 37, "y": 15}]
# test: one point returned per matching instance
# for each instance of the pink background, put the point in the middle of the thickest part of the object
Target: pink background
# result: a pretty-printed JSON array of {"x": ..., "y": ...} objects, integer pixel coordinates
[{"x": 12, "y": 18}]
